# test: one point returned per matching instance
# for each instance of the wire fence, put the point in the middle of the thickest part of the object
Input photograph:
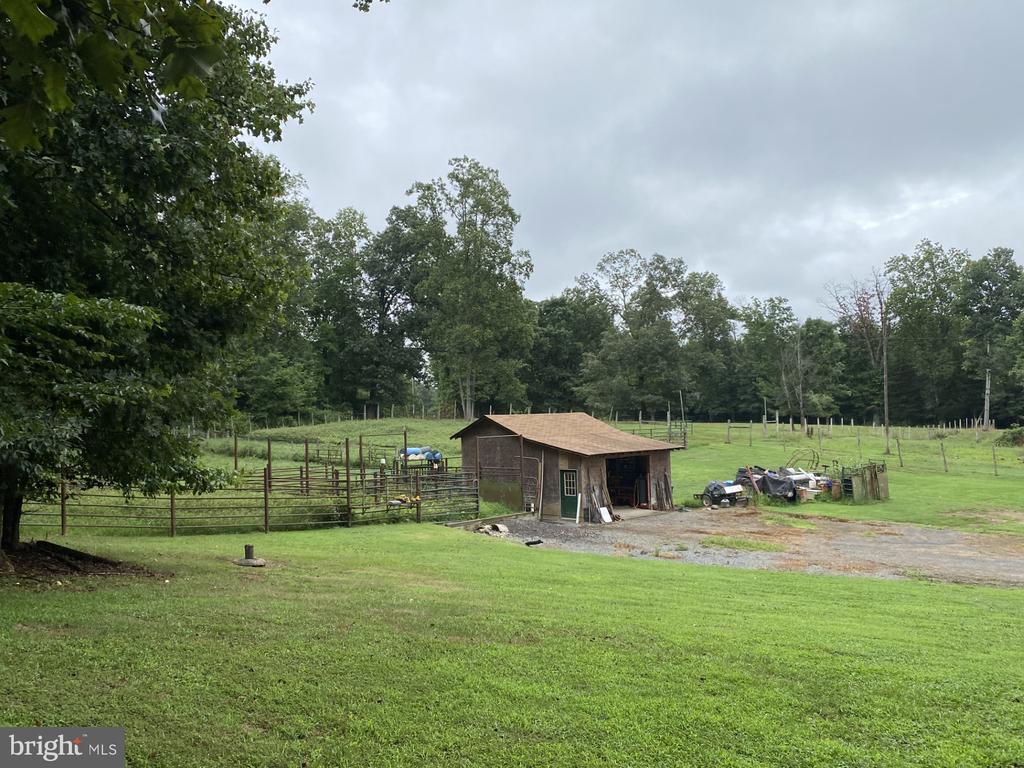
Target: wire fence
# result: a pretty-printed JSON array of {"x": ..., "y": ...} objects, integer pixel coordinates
[{"x": 283, "y": 499}]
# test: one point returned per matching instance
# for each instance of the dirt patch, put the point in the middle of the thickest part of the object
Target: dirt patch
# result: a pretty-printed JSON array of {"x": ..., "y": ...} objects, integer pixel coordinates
[
  {"x": 835, "y": 546},
  {"x": 43, "y": 561}
]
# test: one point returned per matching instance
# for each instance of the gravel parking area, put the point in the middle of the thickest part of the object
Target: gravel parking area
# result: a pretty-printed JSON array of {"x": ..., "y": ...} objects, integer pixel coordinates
[{"x": 809, "y": 544}]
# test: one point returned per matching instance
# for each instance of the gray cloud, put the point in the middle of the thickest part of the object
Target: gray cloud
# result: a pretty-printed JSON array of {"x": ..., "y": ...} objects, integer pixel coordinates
[{"x": 781, "y": 145}]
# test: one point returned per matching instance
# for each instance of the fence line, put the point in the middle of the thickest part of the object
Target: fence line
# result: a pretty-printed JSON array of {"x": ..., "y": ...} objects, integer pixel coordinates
[{"x": 275, "y": 501}]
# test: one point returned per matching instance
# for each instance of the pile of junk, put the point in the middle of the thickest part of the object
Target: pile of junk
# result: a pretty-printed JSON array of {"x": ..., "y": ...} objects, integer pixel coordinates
[{"x": 790, "y": 483}]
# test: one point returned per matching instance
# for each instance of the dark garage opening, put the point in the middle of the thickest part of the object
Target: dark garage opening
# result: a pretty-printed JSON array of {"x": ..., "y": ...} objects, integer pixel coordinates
[{"x": 627, "y": 480}]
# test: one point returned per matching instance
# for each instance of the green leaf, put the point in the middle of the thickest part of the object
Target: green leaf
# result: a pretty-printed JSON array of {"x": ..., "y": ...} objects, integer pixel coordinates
[
  {"x": 191, "y": 87},
  {"x": 103, "y": 60},
  {"x": 17, "y": 125},
  {"x": 28, "y": 19},
  {"x": 188, "y": 63},
  {"x": 54, "y": 85}
]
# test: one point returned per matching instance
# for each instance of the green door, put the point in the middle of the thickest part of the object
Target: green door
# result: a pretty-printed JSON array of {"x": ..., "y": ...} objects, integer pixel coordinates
[{"x": 569, "y": 493}]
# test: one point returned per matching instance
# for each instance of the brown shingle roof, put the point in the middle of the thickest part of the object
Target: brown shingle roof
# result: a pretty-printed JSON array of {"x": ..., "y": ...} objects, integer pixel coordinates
[{"x": 572, "y": 432}]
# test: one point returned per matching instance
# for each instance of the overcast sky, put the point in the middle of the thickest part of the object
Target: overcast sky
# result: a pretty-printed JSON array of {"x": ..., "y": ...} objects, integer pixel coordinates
[{"x": 781, "y": 145}]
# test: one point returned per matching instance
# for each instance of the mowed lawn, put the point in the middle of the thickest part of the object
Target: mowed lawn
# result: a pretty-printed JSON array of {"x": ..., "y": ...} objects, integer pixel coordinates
[{"x": 422, "y": 645}]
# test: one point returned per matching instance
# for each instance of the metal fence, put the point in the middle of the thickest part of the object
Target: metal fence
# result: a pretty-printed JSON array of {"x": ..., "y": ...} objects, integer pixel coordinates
[{"x": 287, "y": 498}]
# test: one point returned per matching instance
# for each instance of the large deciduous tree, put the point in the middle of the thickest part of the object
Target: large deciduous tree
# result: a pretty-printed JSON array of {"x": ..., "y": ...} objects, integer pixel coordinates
[
  {"x": 927, "y": 333},
  {"x": 569, "y": 326},
  {"x": 639, "y": 361},
  {"x": 990, "y": 298},
  {"x": 480, "y": 327},
  {"x": 171, "y": 216},
  {"x": 863, "y": 312}
]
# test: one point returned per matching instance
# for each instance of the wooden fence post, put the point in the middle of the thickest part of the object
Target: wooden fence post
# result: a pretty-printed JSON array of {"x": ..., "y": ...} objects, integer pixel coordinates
[
  {"x": 306, "y": 462},
  {"x": 64, "y": 508},
  {"x": 522, "y": 474},
  {"x": 234, "y": 450},
  {"x": 942, "y": 447},
  {"x": 270, "y": 461},
  {"x": 728, "y": 431},
  {"x": 266, "y": 499},
  {"x": 348, "y": 485},
  {"x": 899, "y": 451},
  {"x": 419, "y": 508},
  {"x": 995, "y": 467},
  {"x": 174, "y": 516}
]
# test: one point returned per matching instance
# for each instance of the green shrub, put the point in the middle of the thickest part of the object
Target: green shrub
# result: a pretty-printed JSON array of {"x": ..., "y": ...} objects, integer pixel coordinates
[{"x": 1014, "y": 436}]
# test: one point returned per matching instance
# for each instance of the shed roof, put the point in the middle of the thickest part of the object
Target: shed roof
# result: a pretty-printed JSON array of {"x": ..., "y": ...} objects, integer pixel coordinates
[{"x": 572, "y": 432}]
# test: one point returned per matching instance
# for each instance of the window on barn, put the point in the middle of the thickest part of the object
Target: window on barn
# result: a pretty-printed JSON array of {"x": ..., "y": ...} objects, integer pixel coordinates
[{"x": 569, "y": 479}]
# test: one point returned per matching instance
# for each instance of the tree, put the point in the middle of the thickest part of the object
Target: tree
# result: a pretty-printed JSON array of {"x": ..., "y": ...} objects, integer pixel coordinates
[
  {"x": 170, "y": 218},
  {"x": 639, "y": 362},
  {"x": 279, "y": 371},
  {"x": 770, "y": 328},
  {"x": 990, "y": 297},
  {"x": 622, "y": 271},
  {"x": 705, "y": 326},
  {"x": 156, "y": 48},
  {"x": 479, "y": 328},
  {"x": 568, "y": 327},
  {"x": 926, "y": 333},
  {"x": 863, "y": 309},
  {"x": 64, "y": 359},
  {"x": 394, "y": 266},
  {"x": 164, "y": 46},
  {"x": 336, "y": 298}
]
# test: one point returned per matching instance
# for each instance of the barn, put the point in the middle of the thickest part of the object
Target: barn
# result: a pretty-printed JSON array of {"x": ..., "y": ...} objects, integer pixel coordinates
[{"x": 566, "y": 466}]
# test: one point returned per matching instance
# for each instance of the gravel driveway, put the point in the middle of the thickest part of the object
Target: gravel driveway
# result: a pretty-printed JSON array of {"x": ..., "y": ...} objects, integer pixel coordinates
[{"x": 819, "y": 545}]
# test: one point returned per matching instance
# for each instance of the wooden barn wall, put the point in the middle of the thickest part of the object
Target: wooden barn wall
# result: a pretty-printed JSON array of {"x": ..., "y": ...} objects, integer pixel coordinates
[
  {"x": 552, "y": 484},
  {"x": 493, "y": 453},
  {"x": 499, "y": 461},
  {"x": 594, "y": 486},
  {"x": 661, "y": 468}
]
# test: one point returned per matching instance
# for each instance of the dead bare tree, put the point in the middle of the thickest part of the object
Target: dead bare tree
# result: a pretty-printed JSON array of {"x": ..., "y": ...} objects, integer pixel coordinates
[{"x": 863, "y": 306}]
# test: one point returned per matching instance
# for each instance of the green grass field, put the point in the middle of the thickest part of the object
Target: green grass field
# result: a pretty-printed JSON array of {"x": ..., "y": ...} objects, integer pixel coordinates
[
  {"x": 969, "y": 496},
  {"x": 421, "y": 645}
]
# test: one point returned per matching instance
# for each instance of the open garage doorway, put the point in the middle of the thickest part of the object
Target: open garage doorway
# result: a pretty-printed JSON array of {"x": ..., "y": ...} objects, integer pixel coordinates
[{"x": 628, "y": 481}]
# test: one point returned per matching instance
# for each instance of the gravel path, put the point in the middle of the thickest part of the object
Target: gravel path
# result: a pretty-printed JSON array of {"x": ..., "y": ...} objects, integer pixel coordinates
[{"x": 819, "y": 545}]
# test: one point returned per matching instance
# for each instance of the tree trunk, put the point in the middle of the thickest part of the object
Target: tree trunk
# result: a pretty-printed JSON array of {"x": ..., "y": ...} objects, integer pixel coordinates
[
  {"x": 467, "y": 394},
  {"x": 12, "y": 523},
  {"x": 10, "y": 536}
]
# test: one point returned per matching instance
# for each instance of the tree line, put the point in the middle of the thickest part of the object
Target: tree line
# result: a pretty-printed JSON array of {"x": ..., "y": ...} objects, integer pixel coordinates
[{"x": 431, "y": 309}]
